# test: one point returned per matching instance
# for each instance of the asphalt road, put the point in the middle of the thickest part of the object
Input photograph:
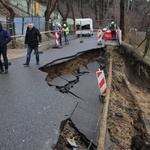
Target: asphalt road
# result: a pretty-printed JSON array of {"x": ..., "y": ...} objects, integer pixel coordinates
[{"x": 31, "y": 112}]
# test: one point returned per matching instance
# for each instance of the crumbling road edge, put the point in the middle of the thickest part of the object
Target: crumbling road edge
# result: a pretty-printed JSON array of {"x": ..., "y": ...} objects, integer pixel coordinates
[
  {"x": 103, "y": 122},
  {"x": 141, "y": 113}
]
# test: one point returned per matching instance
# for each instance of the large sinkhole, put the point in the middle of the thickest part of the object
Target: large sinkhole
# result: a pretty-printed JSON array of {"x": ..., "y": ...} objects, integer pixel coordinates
[
  {"x": 75, "y": 77},
  {"x": 65, "y": 74},
  {"x": 128, "y": 116}
]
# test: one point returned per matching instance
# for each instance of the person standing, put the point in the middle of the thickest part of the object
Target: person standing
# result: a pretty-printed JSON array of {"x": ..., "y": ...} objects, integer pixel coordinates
[
  {"x": 32, "y": 40},
  {"x": 4, "y": 40},
  {"x": 113, "y": 28},
  {"x": 66, "y": 32}
]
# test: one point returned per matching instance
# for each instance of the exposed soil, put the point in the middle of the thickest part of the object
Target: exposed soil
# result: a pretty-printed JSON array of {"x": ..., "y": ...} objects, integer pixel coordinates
[
  {"x": 72, "y": 66},
  {"x": 128, "y": 103},
  {"x": 69, "y": 131},
  {"x": 129, "y": 113}
]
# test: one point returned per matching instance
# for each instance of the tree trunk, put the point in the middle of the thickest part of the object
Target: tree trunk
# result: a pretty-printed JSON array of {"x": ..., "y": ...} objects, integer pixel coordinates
[
  {"x": 101, "y": 11},
  {"x": 68, "y": 9},
  {"x": 122, "y": 16},
  {"x": 68, "y": 5},
  {"x": 11, "y": 24},
  {"x": 78, "y": 5},
  {"x": 95, "y": 8},
  {"x": 72, "y": 10},
  {"x": 28, "y": 6},
  {"x": 51, "y": 5},
  {"x": 59, "y": 10},
  {"x": 81, "y": 2}
]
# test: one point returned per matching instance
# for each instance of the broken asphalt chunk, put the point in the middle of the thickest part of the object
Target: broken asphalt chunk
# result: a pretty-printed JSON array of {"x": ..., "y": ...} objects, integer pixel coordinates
[{"x": 72, "y": 142}]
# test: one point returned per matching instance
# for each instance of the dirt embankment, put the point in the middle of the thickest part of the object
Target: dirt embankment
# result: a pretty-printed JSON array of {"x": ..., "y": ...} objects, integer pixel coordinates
[{"x": 129, "y": 103}]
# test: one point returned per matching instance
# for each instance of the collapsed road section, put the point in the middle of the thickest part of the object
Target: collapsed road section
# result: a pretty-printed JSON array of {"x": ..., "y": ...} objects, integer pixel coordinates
[
  {"x": 128, "y": 114},
  {"x": 76, "y": 78}
]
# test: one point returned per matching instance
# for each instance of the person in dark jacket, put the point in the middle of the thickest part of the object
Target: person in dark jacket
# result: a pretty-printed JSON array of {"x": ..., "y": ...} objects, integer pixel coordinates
[
  {"x": 32, "y": 40},
  {"x": 4, "y": 40}
]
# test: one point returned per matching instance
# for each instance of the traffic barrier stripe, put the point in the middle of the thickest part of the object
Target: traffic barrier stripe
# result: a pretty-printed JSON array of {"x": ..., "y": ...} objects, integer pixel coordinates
[
  {"x": 101, "y": 82},
  {"x": 99, "y": 37},
  {"x": 56, "y": 39}
]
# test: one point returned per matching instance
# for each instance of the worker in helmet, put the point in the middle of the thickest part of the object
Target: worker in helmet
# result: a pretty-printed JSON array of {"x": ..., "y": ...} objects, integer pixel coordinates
[
  {"x": 113, "y": 28},
  {"x": 65, "y": 30}
]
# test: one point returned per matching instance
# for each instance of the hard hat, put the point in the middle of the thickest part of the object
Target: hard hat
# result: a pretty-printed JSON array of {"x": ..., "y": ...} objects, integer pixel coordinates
[
  {"x": 112, "y": 22},
  {"x": 64, "y": 25}
]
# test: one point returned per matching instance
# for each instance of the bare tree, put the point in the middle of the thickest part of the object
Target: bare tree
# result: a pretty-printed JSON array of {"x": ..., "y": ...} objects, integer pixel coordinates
[
  {"x": 28, "y": 6},
  {"x": 122, "y": 15},
  {"x": 145, "y": 15},
  {"x": 72, "y": 10},
  {"x": 101, "y": 10},
  {"x": 62, "y": 13},
  {"x": 51, "y": 5},
  {"x": 12, "y": 16},
  {"x": 95, "y": 8},
  {"x": 81, "y": 4}
]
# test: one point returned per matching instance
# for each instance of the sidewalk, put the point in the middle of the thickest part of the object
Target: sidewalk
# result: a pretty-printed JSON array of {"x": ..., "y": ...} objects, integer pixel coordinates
[{"x": 17, "y": 53}]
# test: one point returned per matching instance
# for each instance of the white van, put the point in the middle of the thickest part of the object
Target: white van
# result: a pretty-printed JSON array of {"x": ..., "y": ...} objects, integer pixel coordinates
[{"x": 84, "y": 26}]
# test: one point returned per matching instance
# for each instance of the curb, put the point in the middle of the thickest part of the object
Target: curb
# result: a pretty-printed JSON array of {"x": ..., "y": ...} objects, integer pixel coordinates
[{"x": 103, "y": 121}]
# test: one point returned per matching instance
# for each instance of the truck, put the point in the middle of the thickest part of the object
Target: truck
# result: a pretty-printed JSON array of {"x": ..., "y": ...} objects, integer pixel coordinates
[{"x": 84, "y": 26}]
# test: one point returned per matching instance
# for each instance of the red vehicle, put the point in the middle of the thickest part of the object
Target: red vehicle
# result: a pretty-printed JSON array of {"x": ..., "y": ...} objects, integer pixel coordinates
[{"x": 108, "y": 36}]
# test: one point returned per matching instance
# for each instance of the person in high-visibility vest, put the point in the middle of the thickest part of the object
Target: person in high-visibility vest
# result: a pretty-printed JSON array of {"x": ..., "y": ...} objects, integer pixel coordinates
[
  {"x": 113, "y": 28},
  {"x": 65, "y": 30}
]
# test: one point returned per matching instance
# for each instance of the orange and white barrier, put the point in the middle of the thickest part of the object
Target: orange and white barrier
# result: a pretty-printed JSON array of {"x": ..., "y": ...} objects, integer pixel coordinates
[
  {"x": 56, "y": 39},
  {"x": 101, "y": 82},
  {"x": 99, "y": 37}
]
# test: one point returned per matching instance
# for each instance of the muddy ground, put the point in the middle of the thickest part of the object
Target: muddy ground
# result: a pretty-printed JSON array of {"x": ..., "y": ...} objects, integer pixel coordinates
[
  {"x": 129, "y": 113},
  {"x": 129, "y": 103}
]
